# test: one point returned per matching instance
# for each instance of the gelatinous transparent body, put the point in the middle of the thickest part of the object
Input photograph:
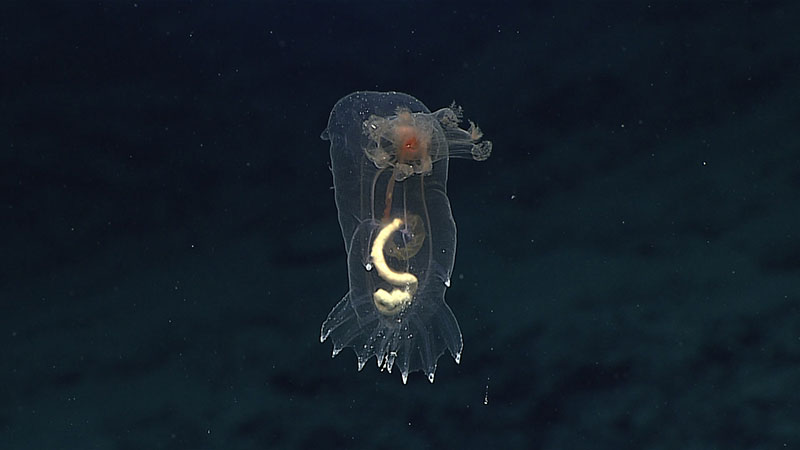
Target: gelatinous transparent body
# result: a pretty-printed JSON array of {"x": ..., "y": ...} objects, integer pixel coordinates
[{"x": 389, "y": 156}]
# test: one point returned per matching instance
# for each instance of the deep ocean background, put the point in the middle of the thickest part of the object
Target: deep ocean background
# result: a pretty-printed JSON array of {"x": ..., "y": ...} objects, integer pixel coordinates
[{"x": 628, "y": 268}]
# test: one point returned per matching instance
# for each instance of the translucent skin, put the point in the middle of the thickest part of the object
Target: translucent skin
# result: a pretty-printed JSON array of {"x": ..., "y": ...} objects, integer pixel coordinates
[{"x": 389, "y": 157}]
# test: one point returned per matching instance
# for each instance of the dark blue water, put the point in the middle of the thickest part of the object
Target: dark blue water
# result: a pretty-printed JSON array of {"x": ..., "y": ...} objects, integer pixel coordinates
[{"x": 628, "y": 264}]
